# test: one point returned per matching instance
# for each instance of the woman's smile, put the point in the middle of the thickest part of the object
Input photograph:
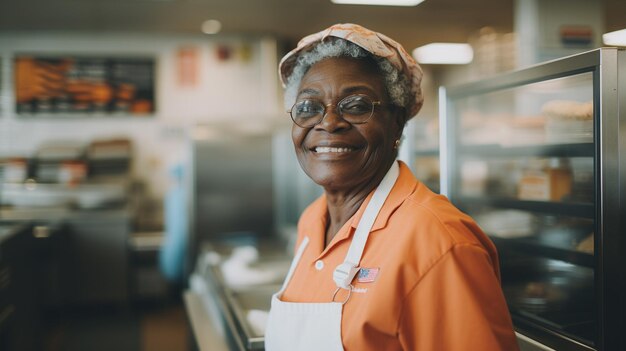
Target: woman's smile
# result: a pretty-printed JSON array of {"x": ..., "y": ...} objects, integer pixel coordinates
[{"x": 332, "y": 150}]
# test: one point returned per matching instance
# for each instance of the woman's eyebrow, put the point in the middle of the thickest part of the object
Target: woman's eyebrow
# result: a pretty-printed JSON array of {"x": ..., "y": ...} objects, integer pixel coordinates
[
  {"x": 358, "y": 89},
  {"x": 346, "y": 91},
  {"x": 308, "y": 91}
]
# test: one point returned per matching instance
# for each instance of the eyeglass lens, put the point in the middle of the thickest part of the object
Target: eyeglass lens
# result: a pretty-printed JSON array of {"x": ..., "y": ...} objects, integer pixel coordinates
[{"x": 354, "y": 109}]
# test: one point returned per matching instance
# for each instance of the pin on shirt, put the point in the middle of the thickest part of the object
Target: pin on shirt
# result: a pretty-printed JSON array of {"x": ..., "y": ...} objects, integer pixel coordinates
[{"x": 367, "y": 275}]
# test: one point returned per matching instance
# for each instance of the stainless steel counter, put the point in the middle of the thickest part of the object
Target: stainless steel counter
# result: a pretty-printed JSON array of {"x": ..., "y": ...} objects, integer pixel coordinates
[
  {"x": 8, "y": 213},
  {"x": 205, "y": 331},
  {"x": 226, "y": 307}
]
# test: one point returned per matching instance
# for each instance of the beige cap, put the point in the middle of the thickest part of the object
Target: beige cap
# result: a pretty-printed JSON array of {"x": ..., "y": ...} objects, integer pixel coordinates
[{"x": 376, "y": 43}]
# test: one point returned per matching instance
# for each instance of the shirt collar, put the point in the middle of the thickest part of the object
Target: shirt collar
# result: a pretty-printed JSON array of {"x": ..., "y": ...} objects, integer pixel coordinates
[{"x": 404, "y": 186}]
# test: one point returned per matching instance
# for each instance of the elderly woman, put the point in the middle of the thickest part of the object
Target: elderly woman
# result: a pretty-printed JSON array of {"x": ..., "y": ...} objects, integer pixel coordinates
[{"x": 382, "y": 263}]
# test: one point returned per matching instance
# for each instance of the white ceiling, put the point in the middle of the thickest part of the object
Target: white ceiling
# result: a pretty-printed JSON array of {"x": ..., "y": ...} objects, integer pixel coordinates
[{"x": 433, "y": 20}]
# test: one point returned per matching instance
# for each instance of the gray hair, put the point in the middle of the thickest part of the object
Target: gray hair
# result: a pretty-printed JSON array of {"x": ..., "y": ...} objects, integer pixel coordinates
[{"x": 397, "y": 85}]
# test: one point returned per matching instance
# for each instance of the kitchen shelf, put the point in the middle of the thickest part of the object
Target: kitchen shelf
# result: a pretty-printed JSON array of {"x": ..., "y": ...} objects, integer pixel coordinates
[
  {"x": 426, "y": 153},
  {"x": 542, "y": 150},
  {"x": 532, "y": 246},
  {"x": 579, "y": 323},
  {"x": 585, "y": 210}
]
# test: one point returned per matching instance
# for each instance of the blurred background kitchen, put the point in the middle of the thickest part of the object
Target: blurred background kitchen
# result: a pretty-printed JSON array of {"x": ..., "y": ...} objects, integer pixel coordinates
[{"x": 149, "y": 192}]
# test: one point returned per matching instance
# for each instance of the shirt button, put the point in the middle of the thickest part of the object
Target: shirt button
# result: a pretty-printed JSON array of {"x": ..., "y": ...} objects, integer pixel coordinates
[{"x": 319, "y": 265}]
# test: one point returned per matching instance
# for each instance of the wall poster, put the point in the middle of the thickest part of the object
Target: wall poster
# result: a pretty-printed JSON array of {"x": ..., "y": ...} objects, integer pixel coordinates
[{"x": 80, "y": 85}]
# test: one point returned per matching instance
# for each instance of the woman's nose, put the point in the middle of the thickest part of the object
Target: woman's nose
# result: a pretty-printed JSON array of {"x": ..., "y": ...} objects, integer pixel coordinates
[{"x": 332, "y": 121}]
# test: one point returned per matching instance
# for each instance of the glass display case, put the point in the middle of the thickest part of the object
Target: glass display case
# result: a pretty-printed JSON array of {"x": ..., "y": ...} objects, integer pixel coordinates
[
  {"x": 535, "y": 156},
  {"x": 420, "y": 150}
]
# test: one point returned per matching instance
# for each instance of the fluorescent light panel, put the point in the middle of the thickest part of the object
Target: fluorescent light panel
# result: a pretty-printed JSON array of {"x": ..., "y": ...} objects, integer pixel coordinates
[
  {"x": 617, "y": 38},
  {"x": 378, "y": 2},
  {"x": 444, "y": 53}
]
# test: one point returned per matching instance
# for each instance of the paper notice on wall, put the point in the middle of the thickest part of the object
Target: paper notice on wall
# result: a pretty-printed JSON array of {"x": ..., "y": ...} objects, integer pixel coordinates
[
  {"x": 576, "y": 35},
  {"x": 188, "y": 67}
]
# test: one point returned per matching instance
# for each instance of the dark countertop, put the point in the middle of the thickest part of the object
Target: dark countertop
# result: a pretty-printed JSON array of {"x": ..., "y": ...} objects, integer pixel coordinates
[{"x": 8, "y": 229}]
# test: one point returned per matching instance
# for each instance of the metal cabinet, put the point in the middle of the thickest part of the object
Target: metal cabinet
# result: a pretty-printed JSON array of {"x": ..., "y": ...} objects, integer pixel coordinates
[
  {"x": 97, "y": 268},
  {"x": 19, "y": 319},
  {"x": 537, "y": 157}
]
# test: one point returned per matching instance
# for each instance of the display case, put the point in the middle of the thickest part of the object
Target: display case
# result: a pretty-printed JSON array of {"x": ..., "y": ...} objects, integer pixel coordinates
[
  {"x": 537, "y": 157},
  {"x": 420, "y": 150}
]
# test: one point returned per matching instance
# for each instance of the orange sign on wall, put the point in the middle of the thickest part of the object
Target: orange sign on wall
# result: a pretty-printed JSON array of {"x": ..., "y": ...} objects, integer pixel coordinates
[
  {"x": 188, "y": 66},
  {"x": 72, "y": 85}
]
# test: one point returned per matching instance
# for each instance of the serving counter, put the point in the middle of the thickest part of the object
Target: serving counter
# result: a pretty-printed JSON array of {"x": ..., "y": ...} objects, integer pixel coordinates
[{"x": 230, "y": 292}]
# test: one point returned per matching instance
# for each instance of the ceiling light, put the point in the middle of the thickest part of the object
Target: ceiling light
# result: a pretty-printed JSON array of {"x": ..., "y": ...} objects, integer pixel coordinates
[
  {"x": 444, "y": 53},
  {"x": 211, "y": 26},
  {"x": 617, "y": 38},
  {"x": 378, "y": 2}
]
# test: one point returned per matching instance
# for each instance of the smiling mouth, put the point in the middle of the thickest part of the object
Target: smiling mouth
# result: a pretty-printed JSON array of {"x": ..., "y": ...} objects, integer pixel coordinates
[{"x": 327, "y": 149}]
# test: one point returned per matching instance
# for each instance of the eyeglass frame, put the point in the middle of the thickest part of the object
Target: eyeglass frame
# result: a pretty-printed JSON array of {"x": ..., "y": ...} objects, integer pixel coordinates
[{"x": 326, "y": 106}]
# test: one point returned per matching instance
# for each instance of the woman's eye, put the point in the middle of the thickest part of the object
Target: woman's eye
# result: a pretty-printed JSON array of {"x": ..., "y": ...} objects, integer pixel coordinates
[
  {"x": 306, "y": 109},
  {"x": 356, "y": 107}
]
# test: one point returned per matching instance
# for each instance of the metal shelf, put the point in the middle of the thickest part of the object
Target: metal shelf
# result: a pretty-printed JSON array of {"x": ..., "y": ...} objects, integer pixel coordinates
[
  {"x": 530, "y": 246},
  {"x": 585, "y": 210},
  {"x": 426, "y": 152},
  {"x": 546, "y": 150}
]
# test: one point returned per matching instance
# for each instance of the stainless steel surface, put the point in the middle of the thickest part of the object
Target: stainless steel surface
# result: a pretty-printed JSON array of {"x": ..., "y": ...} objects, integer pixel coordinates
[
  {"x": 528, "y": 344},
  {"x": 206, "y": 333},
  {"x": 84, "y": 196},
  {"x": 242, "y": 301},
  {"x": 230, "y": 187},
  {"x": 60, "y": 213},
  {"x": 231, "y": 304},
  {"x": 34, "y": 201},
  {"x": 610, "y": 208},
  {"x": 253, "y": 298},
  {"x": 244, "y": 180}
]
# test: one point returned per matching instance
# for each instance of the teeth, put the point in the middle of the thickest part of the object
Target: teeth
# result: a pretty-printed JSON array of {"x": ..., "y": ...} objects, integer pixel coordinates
[{"x": 321, "y": 149}]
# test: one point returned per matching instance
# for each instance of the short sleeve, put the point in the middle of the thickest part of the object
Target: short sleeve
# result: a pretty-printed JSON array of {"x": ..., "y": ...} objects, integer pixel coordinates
[{"x": 457, "y": 305}]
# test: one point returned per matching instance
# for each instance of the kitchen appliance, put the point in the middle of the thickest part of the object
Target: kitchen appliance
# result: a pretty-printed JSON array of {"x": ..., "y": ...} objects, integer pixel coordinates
[{"x": 230, "y": 183}]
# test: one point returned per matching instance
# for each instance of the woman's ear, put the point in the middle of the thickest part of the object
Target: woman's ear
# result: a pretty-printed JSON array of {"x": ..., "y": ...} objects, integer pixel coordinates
[{"x": 400, "y": 118}]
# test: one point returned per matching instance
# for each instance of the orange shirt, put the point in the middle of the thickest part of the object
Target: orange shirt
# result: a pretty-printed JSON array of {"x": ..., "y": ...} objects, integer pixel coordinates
[{"x": 437, "y": 286}]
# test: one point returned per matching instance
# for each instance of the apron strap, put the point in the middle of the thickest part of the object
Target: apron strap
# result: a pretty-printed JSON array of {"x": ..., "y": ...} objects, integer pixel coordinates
[
  {"x": 345, "y": 272},
  {"x": 294, "y": 263}
]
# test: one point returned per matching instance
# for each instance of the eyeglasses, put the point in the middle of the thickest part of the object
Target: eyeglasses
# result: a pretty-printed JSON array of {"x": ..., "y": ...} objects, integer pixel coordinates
[{"x": 354, "y": 109}]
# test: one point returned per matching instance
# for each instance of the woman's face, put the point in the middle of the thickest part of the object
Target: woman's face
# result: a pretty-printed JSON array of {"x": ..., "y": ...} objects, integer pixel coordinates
[{"x": 334, "y": 153}]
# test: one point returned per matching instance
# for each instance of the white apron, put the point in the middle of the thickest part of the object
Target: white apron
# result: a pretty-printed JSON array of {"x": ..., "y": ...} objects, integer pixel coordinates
[{"x": 302, "y": 326}]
